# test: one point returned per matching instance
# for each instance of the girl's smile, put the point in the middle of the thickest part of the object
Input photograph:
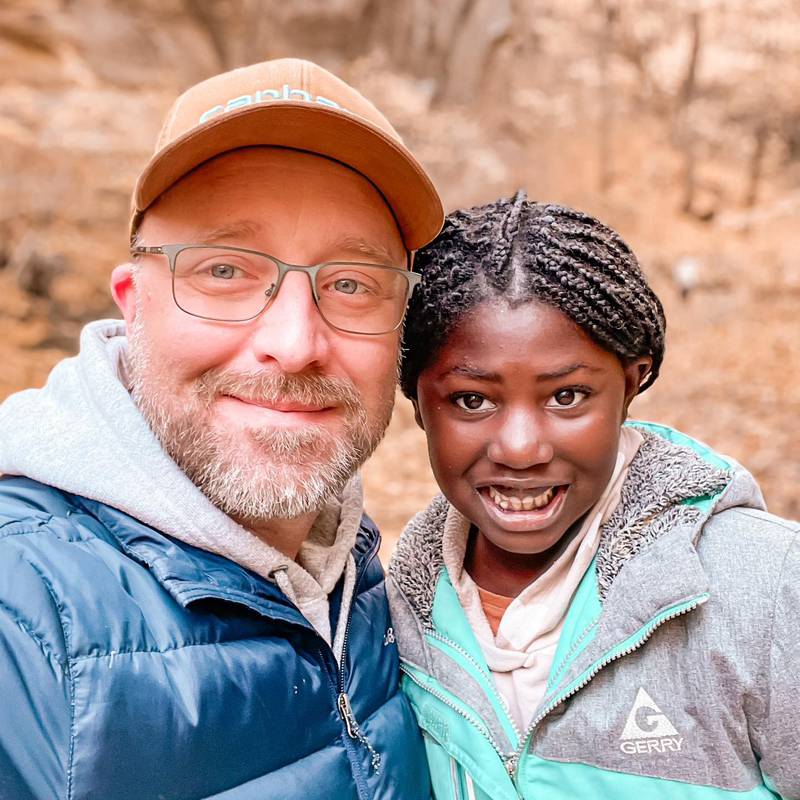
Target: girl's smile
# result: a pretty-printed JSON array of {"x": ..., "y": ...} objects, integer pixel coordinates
[
  {"x": 523, "y": 509},
  {"x": 522, "y": 412}
]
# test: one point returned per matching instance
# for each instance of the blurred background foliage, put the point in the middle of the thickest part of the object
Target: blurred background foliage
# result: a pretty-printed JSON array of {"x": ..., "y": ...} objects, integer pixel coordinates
[{"x": 677, "y": 122}]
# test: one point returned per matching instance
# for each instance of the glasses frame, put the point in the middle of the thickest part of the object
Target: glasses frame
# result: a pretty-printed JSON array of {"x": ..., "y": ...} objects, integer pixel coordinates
[{"x": 172, "y": 251}]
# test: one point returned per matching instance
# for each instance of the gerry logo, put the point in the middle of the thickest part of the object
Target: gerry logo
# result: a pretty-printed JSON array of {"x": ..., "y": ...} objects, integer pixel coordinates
[
  {"x": 648, "y": 730},
  {"x": 265, "y": 96}
]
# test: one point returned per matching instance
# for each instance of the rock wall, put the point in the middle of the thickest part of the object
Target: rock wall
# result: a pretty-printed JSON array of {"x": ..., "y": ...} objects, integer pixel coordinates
[{"x": 592, "y": 103}]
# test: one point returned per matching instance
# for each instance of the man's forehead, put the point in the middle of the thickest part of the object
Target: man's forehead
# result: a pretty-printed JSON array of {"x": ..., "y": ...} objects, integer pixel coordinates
[
  {"x": 247, "y": 233},
  {"x": 247, "y": 198}
]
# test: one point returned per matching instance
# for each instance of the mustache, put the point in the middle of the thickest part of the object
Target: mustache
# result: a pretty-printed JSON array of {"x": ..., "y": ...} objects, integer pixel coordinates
[{"x": 309, "y": 389}]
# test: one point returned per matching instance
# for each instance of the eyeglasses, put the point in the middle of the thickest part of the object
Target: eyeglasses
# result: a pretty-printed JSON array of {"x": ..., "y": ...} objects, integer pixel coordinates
[{"x": 232, "y": 284}]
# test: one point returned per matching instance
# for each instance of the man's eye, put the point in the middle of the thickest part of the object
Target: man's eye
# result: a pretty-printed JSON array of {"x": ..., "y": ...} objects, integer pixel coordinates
[
  {"x": 347, "y": 286},
  {"x": 224, "y": 271},
  {"x": 567, "y": 398},
  {"x": 471, "y": 401}
]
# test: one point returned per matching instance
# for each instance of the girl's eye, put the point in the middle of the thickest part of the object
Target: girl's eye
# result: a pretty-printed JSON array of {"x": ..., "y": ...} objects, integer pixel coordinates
[
  {"x": 567, "y": 398},
  {"x": 470, "y": 401}
]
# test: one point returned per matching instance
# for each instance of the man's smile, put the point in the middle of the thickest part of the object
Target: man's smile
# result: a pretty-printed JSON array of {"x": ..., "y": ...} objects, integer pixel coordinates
[{"x": 288, "y": 413}]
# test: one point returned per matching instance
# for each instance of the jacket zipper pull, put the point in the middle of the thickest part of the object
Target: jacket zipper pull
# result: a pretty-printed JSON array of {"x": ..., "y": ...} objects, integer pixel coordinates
[
  {"x": 354, "y": 731},
  {"x": 511, "y": 764}
]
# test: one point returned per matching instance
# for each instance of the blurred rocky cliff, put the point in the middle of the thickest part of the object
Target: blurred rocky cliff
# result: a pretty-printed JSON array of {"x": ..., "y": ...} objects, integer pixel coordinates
[{"x": 678, "y": 123}]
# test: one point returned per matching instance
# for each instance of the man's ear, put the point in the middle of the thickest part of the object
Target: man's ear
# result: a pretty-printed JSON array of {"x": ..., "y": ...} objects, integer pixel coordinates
[
  {"x": 636, "y": 372},
  {"x": 417, "y": 415},
  {"x": 124, "y": 291}
]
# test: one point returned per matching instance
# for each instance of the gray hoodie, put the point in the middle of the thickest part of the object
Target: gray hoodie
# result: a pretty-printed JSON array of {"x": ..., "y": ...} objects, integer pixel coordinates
[{"x": 83, "y": 434}]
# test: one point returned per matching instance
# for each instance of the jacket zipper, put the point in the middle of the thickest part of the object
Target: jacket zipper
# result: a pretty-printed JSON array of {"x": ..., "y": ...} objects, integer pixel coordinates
[
  {"x": 513, "y": 762},
  {"x": 483, "y": 730},
  {"x": 343, "y": 700},
  {"x": 468, "y": 656}
]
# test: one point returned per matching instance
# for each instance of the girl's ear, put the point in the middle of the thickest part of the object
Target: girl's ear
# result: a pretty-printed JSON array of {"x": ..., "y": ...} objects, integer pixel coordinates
[
  {"x": 417, "y": 415},
  {"x": 636, "y": 372}
]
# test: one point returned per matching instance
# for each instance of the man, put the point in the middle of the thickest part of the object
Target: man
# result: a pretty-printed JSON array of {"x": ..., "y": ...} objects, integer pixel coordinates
[{"x": 190, "y": 599}]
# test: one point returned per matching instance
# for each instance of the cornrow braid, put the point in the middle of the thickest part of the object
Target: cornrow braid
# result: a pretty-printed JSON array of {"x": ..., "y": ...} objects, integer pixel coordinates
[{"x": 518, "y": 250}]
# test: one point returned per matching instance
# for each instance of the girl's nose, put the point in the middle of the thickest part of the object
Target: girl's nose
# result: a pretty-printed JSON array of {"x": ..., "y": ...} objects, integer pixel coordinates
[{"x": 521, "y": 442}]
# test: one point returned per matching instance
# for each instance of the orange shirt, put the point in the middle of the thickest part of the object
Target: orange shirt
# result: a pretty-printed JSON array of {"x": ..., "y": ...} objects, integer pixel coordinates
[{"x": 494, "y": 606}]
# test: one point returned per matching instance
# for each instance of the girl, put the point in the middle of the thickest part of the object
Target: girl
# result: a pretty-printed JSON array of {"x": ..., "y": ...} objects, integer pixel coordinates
[{"x": 593, "y": 609}]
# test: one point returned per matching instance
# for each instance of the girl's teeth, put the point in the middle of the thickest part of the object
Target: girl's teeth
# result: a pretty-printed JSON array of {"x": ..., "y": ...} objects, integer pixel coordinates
[{"x": 526, "y": 503}]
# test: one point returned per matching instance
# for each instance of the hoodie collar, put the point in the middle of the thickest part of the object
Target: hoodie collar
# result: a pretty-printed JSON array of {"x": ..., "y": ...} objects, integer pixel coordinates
[
  {"x": 83, "y": 434},
  {"x": 190, "y": 574}
]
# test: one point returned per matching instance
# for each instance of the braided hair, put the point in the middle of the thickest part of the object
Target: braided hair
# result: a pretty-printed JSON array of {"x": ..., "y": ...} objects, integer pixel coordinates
[{"x": 518, "y": 250}]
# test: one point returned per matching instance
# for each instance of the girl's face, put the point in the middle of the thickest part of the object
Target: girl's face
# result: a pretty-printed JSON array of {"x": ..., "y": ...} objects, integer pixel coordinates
[{"x": 522, "y": 412}]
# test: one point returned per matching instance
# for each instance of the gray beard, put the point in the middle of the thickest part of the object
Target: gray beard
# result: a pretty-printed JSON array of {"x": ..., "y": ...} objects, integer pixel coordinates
[{"x": 257, "y": 473}]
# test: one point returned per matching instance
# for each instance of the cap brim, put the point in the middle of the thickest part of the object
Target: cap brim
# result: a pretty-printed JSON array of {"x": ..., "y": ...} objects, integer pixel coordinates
[{"x": 325, "y": 131}]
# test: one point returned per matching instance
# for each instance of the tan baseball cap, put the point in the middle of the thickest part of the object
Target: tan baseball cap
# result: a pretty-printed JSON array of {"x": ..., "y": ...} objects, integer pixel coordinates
[{"x": 297, "y": 104}]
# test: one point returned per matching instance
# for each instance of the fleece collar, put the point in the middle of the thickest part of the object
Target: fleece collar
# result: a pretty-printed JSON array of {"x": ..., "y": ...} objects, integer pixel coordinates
[{"x": 669, "y": 485}]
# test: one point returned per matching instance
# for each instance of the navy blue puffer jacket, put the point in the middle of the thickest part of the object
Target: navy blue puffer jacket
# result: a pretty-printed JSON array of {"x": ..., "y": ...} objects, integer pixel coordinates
[{"x": 134, "y": 667}]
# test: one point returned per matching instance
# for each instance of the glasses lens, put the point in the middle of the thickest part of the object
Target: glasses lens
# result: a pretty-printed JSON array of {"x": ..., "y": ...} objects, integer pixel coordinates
[
  {"x": 225, "y": 284},
  {"x": 362, "y": 298}
]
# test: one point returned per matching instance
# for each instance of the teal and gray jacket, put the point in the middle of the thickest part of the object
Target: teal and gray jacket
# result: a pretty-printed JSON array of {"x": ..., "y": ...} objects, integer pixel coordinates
[{"x": 677, "y": 674}]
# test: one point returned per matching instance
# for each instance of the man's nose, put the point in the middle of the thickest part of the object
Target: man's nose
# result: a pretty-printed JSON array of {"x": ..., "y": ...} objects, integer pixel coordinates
[
  {"x": 290, "y": 331},
  {"x": 522, "y": 441}
]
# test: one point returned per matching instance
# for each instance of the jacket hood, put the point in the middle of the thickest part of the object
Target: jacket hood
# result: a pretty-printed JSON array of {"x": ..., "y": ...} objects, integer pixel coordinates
[
  {"x": 673, "y": 481},
  {"x": 82, "y": 433}
]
